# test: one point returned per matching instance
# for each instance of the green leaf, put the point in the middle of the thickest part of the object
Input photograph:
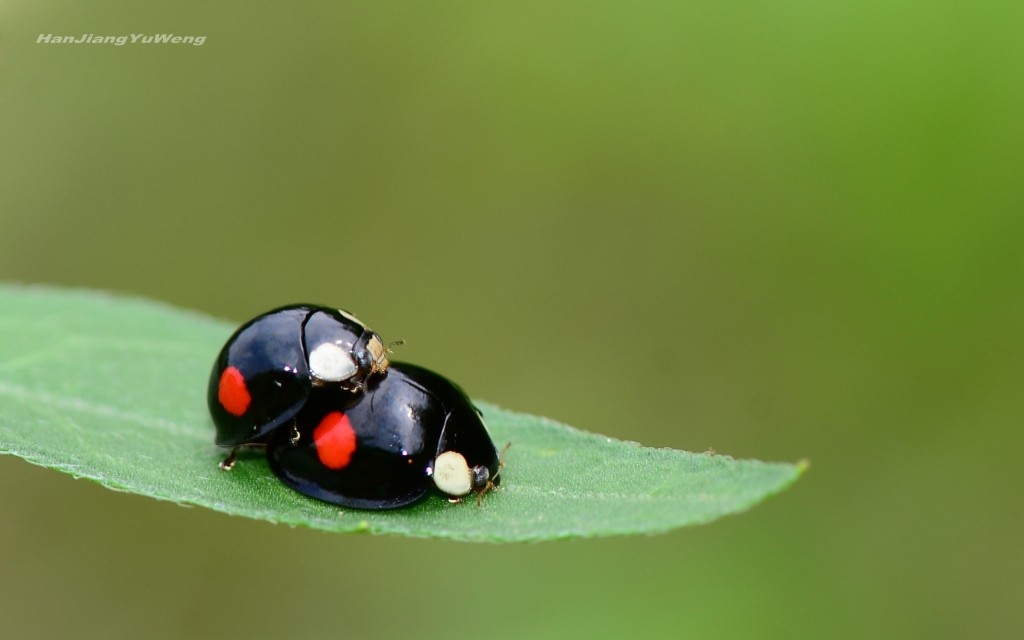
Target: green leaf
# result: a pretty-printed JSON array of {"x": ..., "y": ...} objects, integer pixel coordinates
[{"x": 113, "y": 389}]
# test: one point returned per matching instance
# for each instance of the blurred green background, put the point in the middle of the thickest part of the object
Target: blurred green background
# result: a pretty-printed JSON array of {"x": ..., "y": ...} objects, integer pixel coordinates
[{"x": 780, "y": 230}]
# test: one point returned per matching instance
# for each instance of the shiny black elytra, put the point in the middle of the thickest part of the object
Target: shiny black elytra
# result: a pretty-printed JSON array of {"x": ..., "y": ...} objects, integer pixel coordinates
[
  {"x": 313, "y": 386},
  {"x": 401, "y": 425},
  {"x": 262, "y": 377}
]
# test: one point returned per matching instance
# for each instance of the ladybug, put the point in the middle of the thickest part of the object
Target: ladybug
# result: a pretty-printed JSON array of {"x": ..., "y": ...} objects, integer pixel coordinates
[
  {"x": 411, "y": 431},
  {"x": 268, "y": 369}
]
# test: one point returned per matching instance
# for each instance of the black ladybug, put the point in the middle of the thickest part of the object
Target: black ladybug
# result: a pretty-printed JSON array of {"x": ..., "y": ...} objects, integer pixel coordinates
[
  {"x": 411, "y": 431},
  {"x": 268, "y": 368}
]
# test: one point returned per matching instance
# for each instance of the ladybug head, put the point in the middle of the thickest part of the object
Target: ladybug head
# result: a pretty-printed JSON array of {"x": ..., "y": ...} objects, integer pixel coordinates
[{"x": 373, "y": 357}]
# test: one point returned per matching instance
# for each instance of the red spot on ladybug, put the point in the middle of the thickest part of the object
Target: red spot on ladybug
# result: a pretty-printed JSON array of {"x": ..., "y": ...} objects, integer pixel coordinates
[
  {"x": 335, "y": 440},
  {"x": 232, "y": 393}
]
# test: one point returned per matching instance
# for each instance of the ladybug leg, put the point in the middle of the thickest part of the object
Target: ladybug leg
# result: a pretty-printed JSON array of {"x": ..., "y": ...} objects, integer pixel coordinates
[
  {"x": 227, "y": 463},
  {"x": 489, "y": 487}
]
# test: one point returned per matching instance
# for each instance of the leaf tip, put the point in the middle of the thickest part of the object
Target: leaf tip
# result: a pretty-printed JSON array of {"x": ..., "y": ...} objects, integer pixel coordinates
[{"x": 802, "y": 466}]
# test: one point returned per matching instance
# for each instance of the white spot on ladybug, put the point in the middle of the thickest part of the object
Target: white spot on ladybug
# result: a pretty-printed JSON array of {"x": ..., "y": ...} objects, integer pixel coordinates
[
  {"x": 331, "y": 363},
  {"x": 452, "y": 474}
]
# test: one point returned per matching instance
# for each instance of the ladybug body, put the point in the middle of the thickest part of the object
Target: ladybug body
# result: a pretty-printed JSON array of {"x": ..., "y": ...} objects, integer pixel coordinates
[
  {"x": 411, "y": 431},
  {"x": 269, "y": 367},
  {"x": 339, "y": 422}
]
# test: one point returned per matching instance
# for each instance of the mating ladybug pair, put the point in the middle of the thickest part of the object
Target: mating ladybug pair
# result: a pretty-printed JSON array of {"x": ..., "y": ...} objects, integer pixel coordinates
[{"x": 340, "y": 422}]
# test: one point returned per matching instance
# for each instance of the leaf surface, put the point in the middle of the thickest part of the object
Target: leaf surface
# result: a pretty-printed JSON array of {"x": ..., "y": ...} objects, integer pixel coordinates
[{"x": 113, "y": 389}]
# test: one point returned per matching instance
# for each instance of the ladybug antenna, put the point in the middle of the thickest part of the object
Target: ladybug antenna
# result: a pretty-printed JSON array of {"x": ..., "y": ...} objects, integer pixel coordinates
[
  {"x": 491, "y": 484},
  {"x": 395, "y": 343},
  {"x": 501, "y": 457}
]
